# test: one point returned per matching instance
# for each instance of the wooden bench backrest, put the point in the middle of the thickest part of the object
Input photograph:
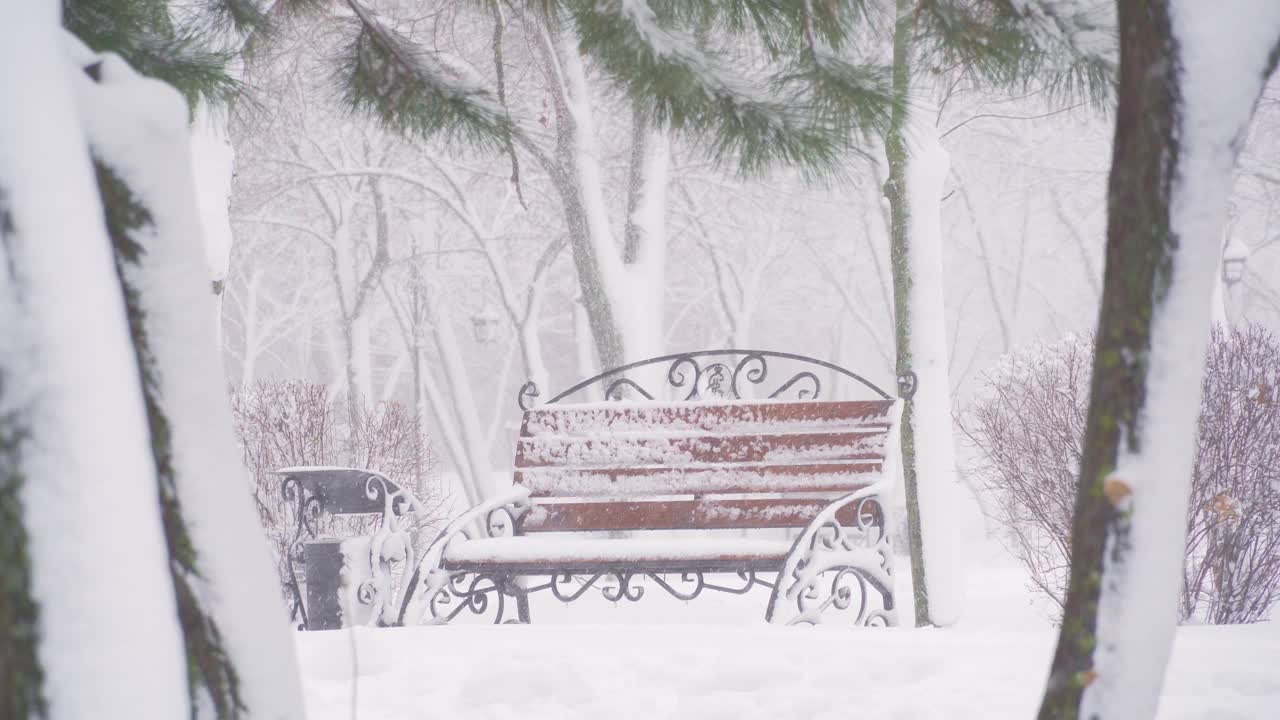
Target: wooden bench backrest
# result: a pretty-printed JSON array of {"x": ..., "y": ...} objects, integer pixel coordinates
[{"x": 673, "y": 466}]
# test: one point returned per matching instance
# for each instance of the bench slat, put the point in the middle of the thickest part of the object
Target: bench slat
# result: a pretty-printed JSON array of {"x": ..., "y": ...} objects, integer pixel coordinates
[
  {"x": 675, "y": 515},
  {"x": 697, "y": 479},
  {"x": 613, "y": 418},
  {"x": 655, "y": 449},
  {"x": 523, "y": 554}
]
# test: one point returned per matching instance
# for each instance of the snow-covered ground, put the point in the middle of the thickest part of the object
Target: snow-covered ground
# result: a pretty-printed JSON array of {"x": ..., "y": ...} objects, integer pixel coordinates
[
  {"x": 706, "y": 671},
  {"x": 715, "y": 658}
]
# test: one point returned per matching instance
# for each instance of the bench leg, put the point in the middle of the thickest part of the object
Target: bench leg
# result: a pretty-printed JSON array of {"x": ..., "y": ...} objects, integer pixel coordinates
[{"x": 522, "y": 604}]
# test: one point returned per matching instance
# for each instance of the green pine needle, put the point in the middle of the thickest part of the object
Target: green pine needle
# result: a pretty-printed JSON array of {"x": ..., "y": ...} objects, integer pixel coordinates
[
  {"x": 856, "y": 98},
  {"x": 418, "y": 92},
  {"x": 682, "y": 84},
  {"x": 142, "y": 33}
]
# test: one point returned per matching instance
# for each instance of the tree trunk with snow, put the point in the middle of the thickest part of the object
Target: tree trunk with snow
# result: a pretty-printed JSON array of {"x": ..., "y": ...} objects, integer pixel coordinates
[
  {"x": 213, "y": 160},
  {"x": 239, "y": 654},
  {"x": 465, "y": 409},
  {"x": 1190, "y": 75},
  {"x": 83, "y": 634},
  {"x": 622, "y": 294},
  {"x": 644, "y": 248},
  {"x": 576, "y": 174},
  {"x": 917, "y": 170}
]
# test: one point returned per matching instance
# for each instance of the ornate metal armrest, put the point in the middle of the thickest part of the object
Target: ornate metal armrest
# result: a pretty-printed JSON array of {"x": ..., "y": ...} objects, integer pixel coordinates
[
  {"x": 833, "y": 564},
  {"x": 497, "y": 516},
  {"x": 389, "y": 544}
]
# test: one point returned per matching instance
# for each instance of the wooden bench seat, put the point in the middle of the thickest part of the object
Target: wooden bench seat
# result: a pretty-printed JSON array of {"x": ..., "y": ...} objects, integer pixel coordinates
[
  {"x": 584, "y": 554},
  {"x": 630, "y": 490}
]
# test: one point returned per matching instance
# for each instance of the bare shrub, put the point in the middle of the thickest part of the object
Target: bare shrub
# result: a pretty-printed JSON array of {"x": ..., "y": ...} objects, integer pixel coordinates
[
  {"x": 1233, "y": 531},
  {"x": 293, "y": 423},
  {"x": 1028, "y": 429}
]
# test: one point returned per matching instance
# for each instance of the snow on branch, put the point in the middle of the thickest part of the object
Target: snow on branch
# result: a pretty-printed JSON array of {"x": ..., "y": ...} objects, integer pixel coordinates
[
  {"x": 855, "y": 97},
  {"x": 418, "y": 91},
  {"x": 685, "y": 86},
  {"x": 1066, "y": 47}
]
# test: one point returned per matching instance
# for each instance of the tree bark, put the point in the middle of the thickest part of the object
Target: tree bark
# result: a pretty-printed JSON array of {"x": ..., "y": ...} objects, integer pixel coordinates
[
  {"x": 1137, "y": 260},
  {"x": 895, "y": 190},
  {"x": 1172, "y": 161},
  {"x": 576, "y": 175}
]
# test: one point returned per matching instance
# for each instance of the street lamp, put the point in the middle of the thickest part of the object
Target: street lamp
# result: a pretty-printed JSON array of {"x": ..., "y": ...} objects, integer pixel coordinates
[
  {"x": 1234, "y": 258},
  {"x": 485, "y": 325}
]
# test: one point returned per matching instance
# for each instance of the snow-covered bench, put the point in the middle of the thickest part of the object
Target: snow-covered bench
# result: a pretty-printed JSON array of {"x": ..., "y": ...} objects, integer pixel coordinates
[
  {"x": 348, "y": 580},
  {"x": 612, "y": 494}
]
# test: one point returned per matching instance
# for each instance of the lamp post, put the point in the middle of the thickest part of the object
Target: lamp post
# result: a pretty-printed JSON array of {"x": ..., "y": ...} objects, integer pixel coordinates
[{"x": 1235, "y": 256}]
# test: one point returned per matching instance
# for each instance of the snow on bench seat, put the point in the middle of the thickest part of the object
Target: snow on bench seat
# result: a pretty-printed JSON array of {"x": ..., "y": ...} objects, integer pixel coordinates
[{"x": 638, "y": 553}]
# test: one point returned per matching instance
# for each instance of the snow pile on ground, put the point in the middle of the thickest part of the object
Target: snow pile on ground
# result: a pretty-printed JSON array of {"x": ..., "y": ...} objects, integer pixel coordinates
[
  {"x": 715, "y": 658},
  {"x": 707, "y": 672}
]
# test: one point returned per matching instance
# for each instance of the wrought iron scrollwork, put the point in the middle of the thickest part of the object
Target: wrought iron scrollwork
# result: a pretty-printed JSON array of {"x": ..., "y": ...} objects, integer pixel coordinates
[
  {"x": 307, "y": 509},
  {"x": 908, "y": 383},
  {"x": 497, "y": 516},
  {"x": 620, "y": 588},
  {"x": 834, "y": 568},
  {"x": 617, "y": 390},
  {"x": 389, "y": 546},
  {"x": 699, "y": 582},
  {"x": 528, "y": 393},
  {"x": 465, "y": 592},
  {"x": 566, "y": 579},
  {"x": 486, "y": 594},
  {"x": 709, "y": 375},
  {"x": 501, "y": 521}
]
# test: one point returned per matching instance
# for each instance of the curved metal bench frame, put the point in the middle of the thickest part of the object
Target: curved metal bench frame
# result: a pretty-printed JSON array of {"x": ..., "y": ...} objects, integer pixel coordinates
[{"x": 724, "y": 378}]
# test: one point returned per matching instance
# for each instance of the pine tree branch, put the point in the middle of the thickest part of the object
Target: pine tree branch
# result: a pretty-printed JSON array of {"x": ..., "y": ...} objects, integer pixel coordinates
[{"x": 418, "y": 92}]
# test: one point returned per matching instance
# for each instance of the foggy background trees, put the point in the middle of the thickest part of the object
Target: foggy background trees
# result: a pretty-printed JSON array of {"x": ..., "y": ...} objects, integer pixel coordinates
[{"x": 425, "y": 271}]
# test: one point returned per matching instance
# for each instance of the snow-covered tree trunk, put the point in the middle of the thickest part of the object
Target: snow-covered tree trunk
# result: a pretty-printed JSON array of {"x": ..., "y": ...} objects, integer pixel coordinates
[
  {"x": 355, "y": 283},
  {"x": 577, "y": 178},
  {"x": 622, "y": 294},
  {"x": 213, "y": 160},
  {"x": 449, "y": 433},
  {"x": 239, "y": 654},
  {"x": 1190, "y": 75},
  {"x": 83, "y": 633},
  {"x": 475, "y": 451},
  {"x": 644, "y": 251},
  {"x": 585, "y": 355},
  {"x": 359, "y": 357},
  {"x": 349, "y": 281},
  {"x": 917, "y": 169},
  {"x": 251, "y": 334}
]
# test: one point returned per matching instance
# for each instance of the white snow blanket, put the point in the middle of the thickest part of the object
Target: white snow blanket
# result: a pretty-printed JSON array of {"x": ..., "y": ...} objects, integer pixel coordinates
[
  {"x": 715, "y": 657},
  {"x": 742, "y": 673}
]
